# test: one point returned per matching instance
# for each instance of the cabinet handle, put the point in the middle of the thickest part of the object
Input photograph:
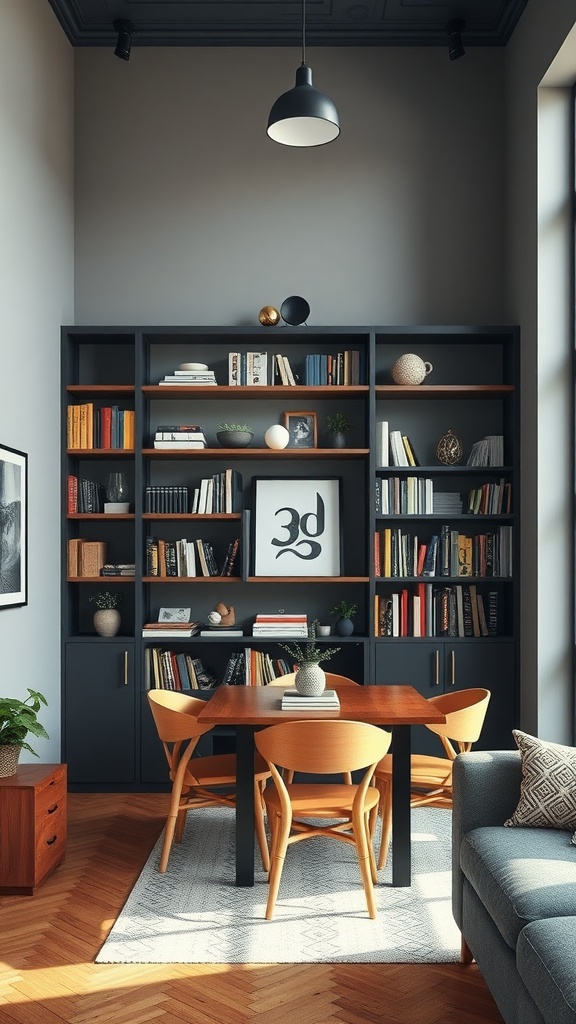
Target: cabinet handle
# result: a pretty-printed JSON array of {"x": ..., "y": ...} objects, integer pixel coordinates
[
  {"x": 125, "y": 668},
  {"x": 50, "y": 842},
  {"x": 452, "y": 668},
  {"x": 437, "y": 668},
  {"x": 52, "y": 809}
]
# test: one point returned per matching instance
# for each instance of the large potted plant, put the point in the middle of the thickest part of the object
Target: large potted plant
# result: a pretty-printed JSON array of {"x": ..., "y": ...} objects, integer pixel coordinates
[
  {"x": 17, "y": 719},
  {"x": 310, "y": 679}
]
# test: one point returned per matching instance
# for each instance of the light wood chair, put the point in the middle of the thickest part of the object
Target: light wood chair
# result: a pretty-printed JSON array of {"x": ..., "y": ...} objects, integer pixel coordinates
[
  {"x": 431, "y": 777},
  {"x": 322, "y": 747},
  {"x": 331, "y": 680},
  {"x": 193, "y": 778}
]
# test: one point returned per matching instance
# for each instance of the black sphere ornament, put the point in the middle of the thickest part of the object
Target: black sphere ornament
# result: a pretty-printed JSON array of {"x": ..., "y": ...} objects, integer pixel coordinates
[{"x": 294, "y": 310}]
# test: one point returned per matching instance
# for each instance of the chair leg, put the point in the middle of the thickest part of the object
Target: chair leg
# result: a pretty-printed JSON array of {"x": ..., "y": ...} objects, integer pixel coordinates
[
  {"x": 465, "y": 952},
  {"x": 386, "y": 814},
  {"x": 180, "y": 823},
  {"x": 282, "y": 833},
  {"x": 370, "y": 828},
  {"x": 362, "y": 851},
  {"x": 259, "y": 825}
]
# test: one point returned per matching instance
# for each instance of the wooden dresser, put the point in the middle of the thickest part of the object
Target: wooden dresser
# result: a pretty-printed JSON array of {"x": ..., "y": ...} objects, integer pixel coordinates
[{"x": 33, "y": 826}]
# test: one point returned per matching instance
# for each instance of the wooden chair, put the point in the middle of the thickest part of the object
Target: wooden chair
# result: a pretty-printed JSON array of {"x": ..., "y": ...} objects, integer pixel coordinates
[
  {"x": 193, "y": 778},
  {"x": 331, "y": 680},
  {"x": 431, "y": 777},
  {"x": 322, "y": 747}
]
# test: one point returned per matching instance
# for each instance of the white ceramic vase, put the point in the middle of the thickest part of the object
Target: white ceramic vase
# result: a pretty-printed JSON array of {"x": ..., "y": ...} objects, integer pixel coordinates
[
  {"x": 107, "y": 621},
  {"x": 310, "y": 679},
  {"x": 410, "y": 369}
]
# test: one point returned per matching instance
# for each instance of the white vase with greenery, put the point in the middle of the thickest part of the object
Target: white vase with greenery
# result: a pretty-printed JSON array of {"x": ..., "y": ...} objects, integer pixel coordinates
[{"x": 310, "y": 679}]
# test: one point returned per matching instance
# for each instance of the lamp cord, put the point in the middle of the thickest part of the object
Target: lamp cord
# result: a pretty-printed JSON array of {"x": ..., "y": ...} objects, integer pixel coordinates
[{"x": 303, "y": 32}]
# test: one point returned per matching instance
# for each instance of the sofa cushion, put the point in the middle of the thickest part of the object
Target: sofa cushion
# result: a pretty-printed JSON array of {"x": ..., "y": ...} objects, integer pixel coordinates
[
  {"x": 547, "y": 965},
  {"x": 520, "y": 874},
  {"x": 548, "y": 786}
]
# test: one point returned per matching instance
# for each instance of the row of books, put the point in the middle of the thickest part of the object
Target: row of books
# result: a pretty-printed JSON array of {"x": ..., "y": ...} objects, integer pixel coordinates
[
  {"x": 413, "y": 495},
  {"x": 248, "y": 369},
  {"x": 199, "y": 377},
  {"x": 175, "y": 670},
  {"x": 84, "y": 495},
  {"x": 189, "y": 558},
  {"x": 451, "y": 553},
  {"x": 393, "y": 448},
  {"x": 251, "y": 667},
  {"x": 106, "y": 427},
  {"x": 281, "y": 624},
  {"x": 171, "y": 436},
  {"x": 222, "y": 492},
  {"x": 340, "y": 369},
  {"x": 429, "y": 610},
  {"x": 166, "y": 498}
]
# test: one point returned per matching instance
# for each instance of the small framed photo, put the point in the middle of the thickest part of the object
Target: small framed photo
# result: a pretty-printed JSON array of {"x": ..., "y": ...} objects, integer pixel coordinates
[
  {"x": 296, "y": 526},
  {"x": 303, "y": 429},
  {"x": 174, "y": 615},
  {"x": 13, "y": 527}
]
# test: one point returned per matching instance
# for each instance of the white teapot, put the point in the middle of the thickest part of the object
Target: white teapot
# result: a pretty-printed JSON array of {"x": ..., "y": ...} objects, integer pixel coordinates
[{"x": 410, "y": 369}]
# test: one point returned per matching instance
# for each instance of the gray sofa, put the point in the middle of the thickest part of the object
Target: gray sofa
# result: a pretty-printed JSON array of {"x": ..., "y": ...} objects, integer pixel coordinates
[{"x": 513, "y": 894}]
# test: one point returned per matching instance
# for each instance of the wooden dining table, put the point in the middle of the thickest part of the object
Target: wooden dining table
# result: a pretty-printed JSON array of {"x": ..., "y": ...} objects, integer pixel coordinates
[{"x": 249, "y": 708}]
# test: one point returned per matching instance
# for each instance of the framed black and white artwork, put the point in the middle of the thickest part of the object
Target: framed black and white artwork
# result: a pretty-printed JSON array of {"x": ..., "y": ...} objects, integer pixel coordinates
[
  {"x": 296, "y": 526},
  {"x": 13, "y": 527}
]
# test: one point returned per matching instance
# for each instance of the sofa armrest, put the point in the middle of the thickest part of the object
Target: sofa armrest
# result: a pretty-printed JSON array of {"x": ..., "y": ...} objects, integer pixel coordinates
[{"x": 486, "y": 790}]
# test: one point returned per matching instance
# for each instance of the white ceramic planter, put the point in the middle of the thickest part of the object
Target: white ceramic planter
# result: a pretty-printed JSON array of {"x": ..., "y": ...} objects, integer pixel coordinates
[
  {"x": 107, "y": 621},
  {"x": 310, "y": 679}
]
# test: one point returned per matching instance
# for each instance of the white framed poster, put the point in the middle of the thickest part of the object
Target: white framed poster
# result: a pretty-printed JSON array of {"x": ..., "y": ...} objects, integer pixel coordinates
[{"x": 296, "y": 526}]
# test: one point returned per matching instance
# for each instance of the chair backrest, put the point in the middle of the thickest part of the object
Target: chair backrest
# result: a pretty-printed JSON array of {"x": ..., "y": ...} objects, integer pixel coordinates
[
  {"x": 331, "y": 680},
  {"x": 323, "y": 746},
  {"x": 465, "y": 711},
  {"x": 176, "y": 715}
]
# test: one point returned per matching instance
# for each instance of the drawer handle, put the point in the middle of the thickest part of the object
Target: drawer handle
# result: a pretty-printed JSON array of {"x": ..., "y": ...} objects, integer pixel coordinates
[
  {"x": 50, "y": 842},
  {"x": 52, "y": 809}
]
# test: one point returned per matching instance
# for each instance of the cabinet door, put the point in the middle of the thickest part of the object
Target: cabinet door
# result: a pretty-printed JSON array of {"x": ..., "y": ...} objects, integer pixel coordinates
[
  {"x": 440, "y": 665},
  {"x": 99, "y": 712}
]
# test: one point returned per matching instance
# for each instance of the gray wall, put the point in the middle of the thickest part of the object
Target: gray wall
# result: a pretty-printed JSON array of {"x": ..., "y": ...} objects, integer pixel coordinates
[
  {"x": 187, "y": 213},
  {"x": 36, "y": 265}
]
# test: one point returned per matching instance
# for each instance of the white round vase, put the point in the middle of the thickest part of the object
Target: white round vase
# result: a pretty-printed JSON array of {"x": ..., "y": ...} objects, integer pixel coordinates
[
  {"x": 410, "y": 369},
  {"x": 310, "y": 679},
  {"x": 276, "y": 436},
  {"x": 107, "y": 621}
]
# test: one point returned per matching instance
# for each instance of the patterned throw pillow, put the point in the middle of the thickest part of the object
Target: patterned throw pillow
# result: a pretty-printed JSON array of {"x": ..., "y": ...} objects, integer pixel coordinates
[{"x": 548, "y": 787}]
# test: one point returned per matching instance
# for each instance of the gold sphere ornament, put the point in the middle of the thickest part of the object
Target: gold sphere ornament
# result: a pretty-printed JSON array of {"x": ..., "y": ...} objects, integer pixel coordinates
[
  {"x": 449, "y": 449},
  {"x": 268, "y": 316}
]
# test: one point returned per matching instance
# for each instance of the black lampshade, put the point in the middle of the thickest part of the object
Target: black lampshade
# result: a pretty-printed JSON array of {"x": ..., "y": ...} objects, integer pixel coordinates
[
  {"x": 455, "y": 46},
  {"x": 303, "y": 116},
  {"x": 124, "y": 29}
]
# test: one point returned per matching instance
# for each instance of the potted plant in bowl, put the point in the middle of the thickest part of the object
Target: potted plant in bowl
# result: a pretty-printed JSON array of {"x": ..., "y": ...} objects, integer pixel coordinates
[
  {"x": 17, "y": 719},
  {"x": 310, "y": 679},
  {"x": 234, "y": 435},
  {"x": 344, "y": 612},
  {"x": 106, "y": 617},
  {"x": 338, "y": 426}
]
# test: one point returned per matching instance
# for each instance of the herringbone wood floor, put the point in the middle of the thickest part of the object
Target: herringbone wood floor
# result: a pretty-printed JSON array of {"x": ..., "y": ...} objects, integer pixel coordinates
[{"x": 48, "y": 942}]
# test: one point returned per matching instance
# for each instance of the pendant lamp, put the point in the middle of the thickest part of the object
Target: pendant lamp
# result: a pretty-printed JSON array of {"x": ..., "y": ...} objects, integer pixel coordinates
[{"x": 303, "y": 116}]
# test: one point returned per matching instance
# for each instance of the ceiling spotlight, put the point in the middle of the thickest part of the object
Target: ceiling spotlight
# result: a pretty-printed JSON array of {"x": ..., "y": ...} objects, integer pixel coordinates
[
  {"x": 303, "y": 116},
  {"x": 124, "y": 29},
  {"x": 455, "y": 47}
]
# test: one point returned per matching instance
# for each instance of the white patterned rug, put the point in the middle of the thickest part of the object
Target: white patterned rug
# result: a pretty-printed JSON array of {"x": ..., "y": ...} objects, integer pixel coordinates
[{"x": 195, "y": 914}]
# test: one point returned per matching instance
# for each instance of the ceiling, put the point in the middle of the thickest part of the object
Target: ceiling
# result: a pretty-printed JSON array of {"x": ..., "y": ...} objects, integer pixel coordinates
[{"x": 278, "y": 22}]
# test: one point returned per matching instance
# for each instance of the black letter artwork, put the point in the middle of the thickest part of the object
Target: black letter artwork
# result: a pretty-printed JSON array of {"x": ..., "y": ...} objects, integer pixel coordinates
[{"x": 302, "y": 524}]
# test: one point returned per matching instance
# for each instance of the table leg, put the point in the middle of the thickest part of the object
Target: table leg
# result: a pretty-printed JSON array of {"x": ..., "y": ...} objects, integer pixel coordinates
[
  {"x": 244, "y": 805},
  {"x": 401, "y": 855}
]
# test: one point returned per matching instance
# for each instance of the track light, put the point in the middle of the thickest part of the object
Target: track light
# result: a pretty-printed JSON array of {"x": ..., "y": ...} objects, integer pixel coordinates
[
  {"x": 303, "y": 116},
  {"x": 455, "y": 47},
  {"x": 124, "y": 29}
]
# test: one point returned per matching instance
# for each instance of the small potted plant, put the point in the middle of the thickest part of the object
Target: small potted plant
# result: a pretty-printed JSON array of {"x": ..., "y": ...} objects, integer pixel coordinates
[
  {"x": 234, "y": 435},
  {"x": 106, "y": 617},
  {"x": 310, "y": 679},
  {"x": 344, "y": 612},
  {"x": 338, "y": 426},
  {"x": 17, "y": 719}
]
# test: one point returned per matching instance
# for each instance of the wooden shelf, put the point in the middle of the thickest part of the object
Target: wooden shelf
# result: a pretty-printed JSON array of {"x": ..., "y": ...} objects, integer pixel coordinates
[
  {"x": 220, "y": 391},
  {"x": 192, "y": 516},
  {"x": 464, "y": 391},
  {"x": 257, "y": 453}
]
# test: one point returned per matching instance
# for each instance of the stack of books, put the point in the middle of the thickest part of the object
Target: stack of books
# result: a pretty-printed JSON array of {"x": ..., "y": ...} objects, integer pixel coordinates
[
  {"x": 170, "y": 629},
  {"x": 118, "y": 569},
  {"x": 447, "y": 503},
  {"x": 179, "y": 436},
  {"x": 292, "y": 624},
  {"x": 248, "y": 369},
  {"x": 190, "y": 375},
  {"x": 294, "y": 701}
]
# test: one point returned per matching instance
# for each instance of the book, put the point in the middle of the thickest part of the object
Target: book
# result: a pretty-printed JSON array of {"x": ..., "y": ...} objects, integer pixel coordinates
[
  {"x": 163, "y": 445},
  {"x": 293, "y": 700},
  {"x": 216, "y": 632},
  {"x": 382, "y": 444}
]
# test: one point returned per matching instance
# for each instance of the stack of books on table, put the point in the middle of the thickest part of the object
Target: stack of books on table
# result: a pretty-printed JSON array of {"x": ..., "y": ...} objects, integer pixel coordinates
[
  {"x": 294, "y": 701},
  {"x": 170, "y": 629},
  {"x": 179, "y": 436},
  {"x": 190, "y": 375},
  {"x": 291, "y": 624}
]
